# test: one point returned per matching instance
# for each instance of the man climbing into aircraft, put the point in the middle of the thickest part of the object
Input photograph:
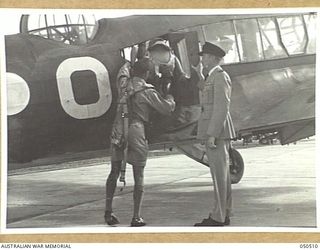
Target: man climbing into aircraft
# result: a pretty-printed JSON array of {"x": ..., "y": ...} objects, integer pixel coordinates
[
  {"x": 215, "y": 127},
  {"x": 168, "y": 76},
  {"x": 167, "y": 67},
  {"x": 142, "y": 100}
]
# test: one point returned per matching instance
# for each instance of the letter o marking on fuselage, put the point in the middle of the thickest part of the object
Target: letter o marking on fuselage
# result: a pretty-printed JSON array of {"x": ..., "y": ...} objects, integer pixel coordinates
[
  {"x": 66, "y": 94},
  {"x": 18, "y": 93}
]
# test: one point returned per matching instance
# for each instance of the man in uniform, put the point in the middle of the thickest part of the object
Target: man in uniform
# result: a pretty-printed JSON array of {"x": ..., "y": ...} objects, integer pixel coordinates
[
  {"x": 215, "y": 127},
  {"x": 142, "y": 101}
]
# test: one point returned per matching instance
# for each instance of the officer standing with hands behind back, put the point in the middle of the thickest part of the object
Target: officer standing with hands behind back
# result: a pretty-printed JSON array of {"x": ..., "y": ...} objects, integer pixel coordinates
[{"x": 215, "y": 127}]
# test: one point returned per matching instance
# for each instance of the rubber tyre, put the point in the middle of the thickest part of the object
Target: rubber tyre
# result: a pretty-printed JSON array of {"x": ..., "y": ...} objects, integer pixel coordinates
[{"x": 236, "y": 166}]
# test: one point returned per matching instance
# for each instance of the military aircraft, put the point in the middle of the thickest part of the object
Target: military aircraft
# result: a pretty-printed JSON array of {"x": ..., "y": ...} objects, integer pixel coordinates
[{"x": 61, "y": 79}]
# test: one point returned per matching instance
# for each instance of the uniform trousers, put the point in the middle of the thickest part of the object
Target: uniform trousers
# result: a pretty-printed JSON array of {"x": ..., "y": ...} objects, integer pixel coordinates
[{"x": 219, "y": 167}]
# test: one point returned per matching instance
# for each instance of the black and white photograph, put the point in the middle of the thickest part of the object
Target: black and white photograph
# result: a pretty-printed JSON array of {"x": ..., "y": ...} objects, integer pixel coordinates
[{"x": 158, "y": 120}]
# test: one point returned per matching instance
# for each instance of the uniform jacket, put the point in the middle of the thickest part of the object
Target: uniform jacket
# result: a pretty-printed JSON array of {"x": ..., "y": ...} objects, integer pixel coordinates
[
  {"x": 215, "y": 118},
  {"x": 147, "y": 98}
]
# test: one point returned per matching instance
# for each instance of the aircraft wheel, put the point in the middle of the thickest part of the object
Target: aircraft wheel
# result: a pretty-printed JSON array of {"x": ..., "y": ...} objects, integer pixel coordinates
[{"x": 236, "y": 166}]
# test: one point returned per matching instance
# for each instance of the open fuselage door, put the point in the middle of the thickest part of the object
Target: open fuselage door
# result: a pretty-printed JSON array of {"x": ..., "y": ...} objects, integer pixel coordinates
[{"x": 186, "y": 47}]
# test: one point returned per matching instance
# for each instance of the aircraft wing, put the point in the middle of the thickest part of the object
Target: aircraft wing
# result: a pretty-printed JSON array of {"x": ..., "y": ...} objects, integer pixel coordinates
[{"x": 127, "y": 31}]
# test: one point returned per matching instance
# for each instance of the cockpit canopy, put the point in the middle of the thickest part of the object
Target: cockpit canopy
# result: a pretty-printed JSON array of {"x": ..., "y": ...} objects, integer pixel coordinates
[{"x": 72, "y": 29}]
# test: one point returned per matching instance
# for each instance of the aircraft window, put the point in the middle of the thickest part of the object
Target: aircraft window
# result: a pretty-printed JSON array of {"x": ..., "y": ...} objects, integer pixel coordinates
[
  {"x": 270, "y": 39},
  {"x": 293, "y": 34},
  {"x": 69, "y": 29},
  {"x": 249, "y": 40},
  {"x": 311, "y": 21},
  {"x": 135, "y": 52},
  {"x": 222, "y": 34},
  {"x": 126, "y": 53},
  {"x": 184, "y": 59}
]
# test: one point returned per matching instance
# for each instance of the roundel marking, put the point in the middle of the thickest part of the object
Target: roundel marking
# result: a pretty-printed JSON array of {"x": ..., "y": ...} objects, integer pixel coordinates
[{"x": 18, "y": 93}]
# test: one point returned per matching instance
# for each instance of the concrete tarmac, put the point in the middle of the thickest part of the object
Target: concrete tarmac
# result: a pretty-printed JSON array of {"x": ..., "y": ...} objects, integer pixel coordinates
[{"x": 278, "y": 189}]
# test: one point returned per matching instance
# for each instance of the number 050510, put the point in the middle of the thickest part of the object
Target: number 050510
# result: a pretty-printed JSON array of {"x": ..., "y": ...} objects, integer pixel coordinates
[{"x": 308, "y": 245}]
